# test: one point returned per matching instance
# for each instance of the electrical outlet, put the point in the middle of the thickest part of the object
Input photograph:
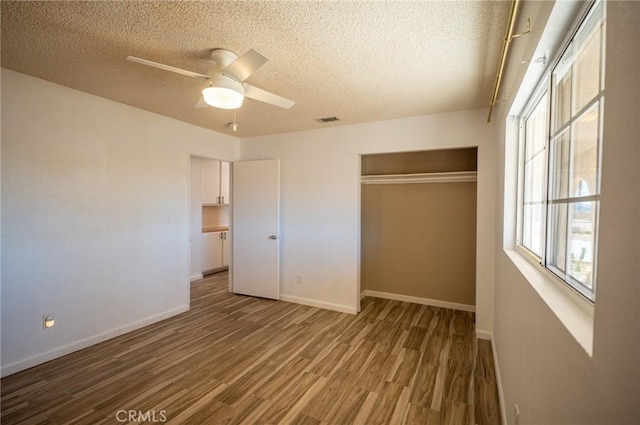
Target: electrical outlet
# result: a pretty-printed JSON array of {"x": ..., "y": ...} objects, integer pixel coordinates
[
  {"x": 517, "y": 411},
  {"x": 48, "y": 320},
  {"x": 299, "y": 279}
]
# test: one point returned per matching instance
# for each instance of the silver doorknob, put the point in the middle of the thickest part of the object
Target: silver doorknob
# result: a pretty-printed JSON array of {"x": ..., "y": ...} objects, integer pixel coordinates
[{"x": 273, "y": 237}]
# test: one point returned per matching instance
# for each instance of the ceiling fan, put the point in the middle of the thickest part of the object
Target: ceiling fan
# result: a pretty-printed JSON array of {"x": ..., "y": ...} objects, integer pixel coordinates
[{"x": 227, "y": 88}]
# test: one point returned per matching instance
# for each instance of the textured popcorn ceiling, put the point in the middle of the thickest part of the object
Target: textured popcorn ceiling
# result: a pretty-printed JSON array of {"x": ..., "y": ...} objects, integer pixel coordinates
[{"x": 360, "y": 61}]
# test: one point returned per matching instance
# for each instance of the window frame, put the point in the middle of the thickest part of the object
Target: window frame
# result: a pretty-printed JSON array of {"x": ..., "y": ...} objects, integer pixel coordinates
[{"x": 547, "y": 87}]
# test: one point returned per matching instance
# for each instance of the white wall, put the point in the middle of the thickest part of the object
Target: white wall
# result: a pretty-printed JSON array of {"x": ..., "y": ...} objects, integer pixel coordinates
[
  {"x": 95, "y": 217},
  {"x": 320, "y": 205},
  {"x": 542, "y": 366}
]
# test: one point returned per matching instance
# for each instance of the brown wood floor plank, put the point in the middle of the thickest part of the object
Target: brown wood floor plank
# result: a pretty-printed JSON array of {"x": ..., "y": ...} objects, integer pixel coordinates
[
  {"x": 303, "y": 419},
  {"x": 329, "y": 361},
  {"x": 486, "y": 402},
  {"x": 484, "y": 365},
  {"x": 416, "y": 415},
  {"x": 486, "y": 406},
  {"x": 320, "y": 406},
  {"x": 386, "y": 404},
  {"x": 287, "y": 401},
  {"x": 375, "y": 371},
  {"x": 284, "y": 379},
  {"x": 407, "y": 368},
  {"x": 415, "y": 339},
  {"x": 245, "y": 384},
  {"x": 458, "y": 381},
  {"x": 366, "y": 409},
  {"x": 346, "y": 407},
  {"x": 424, "y": 385},
  {"x": 360, "y": 357}
]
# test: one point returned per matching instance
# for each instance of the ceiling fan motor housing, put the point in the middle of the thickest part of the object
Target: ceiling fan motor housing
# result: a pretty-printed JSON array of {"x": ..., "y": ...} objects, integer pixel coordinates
[{"x": 222, "y": 58}]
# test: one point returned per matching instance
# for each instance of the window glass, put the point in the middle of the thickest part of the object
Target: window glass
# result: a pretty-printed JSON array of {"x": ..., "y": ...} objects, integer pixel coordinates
[
  {"x": 582, "y": 238},
  {"x": 563, "y": 96},
  {"x": 558, "y": 237},
  {"x": 584, "y": 156},
  {"x": 587, "y": 67}
]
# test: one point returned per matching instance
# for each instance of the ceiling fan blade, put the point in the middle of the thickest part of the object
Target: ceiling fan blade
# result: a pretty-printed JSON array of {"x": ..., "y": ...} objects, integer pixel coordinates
[
  {"x": 253, "y": 92},
  {"x": 245, "y": 65},
  {"x": 201, "y": 103},
  {"x": 167, "y": 68}
]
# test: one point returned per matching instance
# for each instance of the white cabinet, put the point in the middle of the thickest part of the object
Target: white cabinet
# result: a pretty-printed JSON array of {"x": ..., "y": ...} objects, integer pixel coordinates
[
  {"x": 210, "y": 170},
  {"x": 215, "y": 250},
  {"x": 211, "y": 251},
  {"x": 215, "y": 182}
]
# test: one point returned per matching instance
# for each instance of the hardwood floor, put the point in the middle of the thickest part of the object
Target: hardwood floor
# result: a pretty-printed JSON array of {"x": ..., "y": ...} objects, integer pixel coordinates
[{"x": 240, "y": 360}]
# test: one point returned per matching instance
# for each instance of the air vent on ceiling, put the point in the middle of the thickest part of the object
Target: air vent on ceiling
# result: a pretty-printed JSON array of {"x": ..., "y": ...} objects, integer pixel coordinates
[{"x": 327, "y": 119}]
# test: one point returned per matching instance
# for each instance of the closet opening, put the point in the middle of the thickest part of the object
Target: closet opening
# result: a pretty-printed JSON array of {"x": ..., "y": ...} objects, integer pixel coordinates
[{"x": 418, "y": 227}]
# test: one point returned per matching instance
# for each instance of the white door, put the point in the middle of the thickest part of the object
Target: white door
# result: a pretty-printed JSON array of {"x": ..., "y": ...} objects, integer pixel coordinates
[{"x": 256, "y": 221}]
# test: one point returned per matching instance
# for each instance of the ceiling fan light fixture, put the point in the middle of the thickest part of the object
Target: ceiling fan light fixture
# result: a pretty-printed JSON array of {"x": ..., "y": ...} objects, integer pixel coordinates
[{"x": 224, "y": 93}]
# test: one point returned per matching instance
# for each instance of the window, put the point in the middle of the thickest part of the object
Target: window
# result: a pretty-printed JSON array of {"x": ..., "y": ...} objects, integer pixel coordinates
[{"x": 561, "y": 144}]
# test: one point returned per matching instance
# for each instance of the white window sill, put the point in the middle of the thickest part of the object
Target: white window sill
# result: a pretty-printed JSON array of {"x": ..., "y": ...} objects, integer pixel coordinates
[{"x": 575, "y": 314}]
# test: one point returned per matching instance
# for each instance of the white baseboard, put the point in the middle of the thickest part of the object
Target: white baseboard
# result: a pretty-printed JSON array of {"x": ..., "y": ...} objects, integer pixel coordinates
[
  {"x": 503, "y": 410},
  {"x": 319, "y": 304},
  {"x": 86, "y": 342},
  {"x": 484, "y": 335},
  {"x": 419, "y": 300},
  {"x": 196, "y": 277},
  {"x": 363, "y": 294}
]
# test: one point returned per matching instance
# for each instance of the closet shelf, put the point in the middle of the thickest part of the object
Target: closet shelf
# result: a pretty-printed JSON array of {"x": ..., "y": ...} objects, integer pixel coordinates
[{"x": 450, "y": 177}]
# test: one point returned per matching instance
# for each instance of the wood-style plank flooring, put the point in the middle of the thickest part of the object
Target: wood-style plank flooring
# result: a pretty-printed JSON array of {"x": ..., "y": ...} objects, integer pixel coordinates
[{"x": 240, "y": 360}]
